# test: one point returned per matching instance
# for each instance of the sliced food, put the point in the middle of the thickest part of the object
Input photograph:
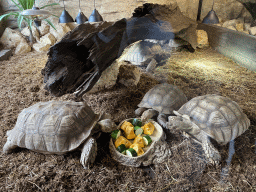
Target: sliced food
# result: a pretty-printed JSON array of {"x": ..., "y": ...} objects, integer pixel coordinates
[
  {"x": 136, "y": 122},
  {"x": 115, "y": 134},
  {"x": 131, "y": 152},
  {"x": 148, "y": 128},
  {"x": 121, "y": 148},
  {"x": 138, "y": 130},
  {"x": 122, "y": 140},
  {"x": 139, "y": 140},
  {"x": 147, "y": 140},
  {"x": 129, "y": 133},
  {"x": 137, "y": 148}
]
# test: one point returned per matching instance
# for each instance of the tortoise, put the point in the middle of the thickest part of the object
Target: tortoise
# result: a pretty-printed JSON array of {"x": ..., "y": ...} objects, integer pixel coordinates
[
  {"x": 160, "y": 101},
  {"x": 143, "y": 54},
  {"x": 57, "y": 127},
  {"x": 210, "y": 116}
]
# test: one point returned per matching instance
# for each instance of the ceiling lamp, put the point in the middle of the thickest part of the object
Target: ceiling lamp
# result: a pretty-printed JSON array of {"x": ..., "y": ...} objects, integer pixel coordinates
[
  {"x": 36, "y": 14},
  {"x": 211, "y": 17},
  {"x": 95, "y": 16},
  {"x": 65, "y": 17},
  {"x": 80, "y": 18}
]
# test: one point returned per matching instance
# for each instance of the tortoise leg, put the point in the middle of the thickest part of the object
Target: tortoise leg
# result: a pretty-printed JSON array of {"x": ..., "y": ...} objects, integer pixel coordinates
[
  {"x": 210, "y": 151},
  {"x": 148, "y": 114},
  {"x": 10, "y": 143},
  {"x": 8, "y": 147},
  {"x": 89, "y": 152},
  {"x": 152, "y": 65},
  {"x": 224, "y": 170},
  {"x": 162, "y": 120},
  {"x": 140, "y": 110}
]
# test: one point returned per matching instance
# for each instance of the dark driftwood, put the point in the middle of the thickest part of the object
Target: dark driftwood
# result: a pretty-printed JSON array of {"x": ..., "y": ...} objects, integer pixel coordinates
[{"x": 75, "y": 63}]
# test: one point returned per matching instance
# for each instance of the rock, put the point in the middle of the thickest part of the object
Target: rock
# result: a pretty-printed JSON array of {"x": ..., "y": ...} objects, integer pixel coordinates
[
  {"x": 108, "y": 78},
  {"x": 5, "y": 54},
  {"x": 39, "y": 47},
  {"x": 35, "y": 32},
  {"x": 247, "y": 26},
  {"x": 23, "y": 47},
  {"x": 44, "y": 28},
  {"x": 72, "y": 25},
  {"x": 239, "y": 27},
  {"x": 202, "y": 38},
  {"x": 247, "y": 32},
  {"x": 230, "y": 23},
  {"x": 231, "y": 27},
  {"x": 45, "y": 43},
  {"x": 11, "y": 38},
  {"x": 61, "y": 30},
  {"x": 218, "y": 24},
  {"x": 252, "y": 30},
  {"x": 129, "y": 75},
  {"x": 121, "y": 71},
  {"x": 48, "y": 39}
]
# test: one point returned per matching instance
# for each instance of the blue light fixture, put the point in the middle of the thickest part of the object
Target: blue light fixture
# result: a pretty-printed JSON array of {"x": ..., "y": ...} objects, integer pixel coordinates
[
  {"x": 211, "y": 17},
  {"x": 65, "y": 16},
  {"x": 95, "y": 16},
  {"x": 80, "y": 18}
]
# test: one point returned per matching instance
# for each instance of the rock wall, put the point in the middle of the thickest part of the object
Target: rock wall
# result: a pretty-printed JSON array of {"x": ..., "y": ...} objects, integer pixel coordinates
[{"x": 112, "y": 10}]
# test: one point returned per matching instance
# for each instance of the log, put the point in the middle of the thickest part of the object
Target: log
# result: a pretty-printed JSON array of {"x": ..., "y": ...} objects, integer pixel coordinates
[{"x": 75, "y": 63}]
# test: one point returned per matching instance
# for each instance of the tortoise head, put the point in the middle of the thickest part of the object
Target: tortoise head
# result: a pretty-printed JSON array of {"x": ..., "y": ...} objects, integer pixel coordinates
[
  {"x": 107, "y": 125},
  {"x": 182, "y": 122}
]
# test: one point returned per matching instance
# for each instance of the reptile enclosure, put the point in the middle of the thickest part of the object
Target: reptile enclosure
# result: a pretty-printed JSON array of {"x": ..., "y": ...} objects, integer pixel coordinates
[{"x": 208, "y": 70}]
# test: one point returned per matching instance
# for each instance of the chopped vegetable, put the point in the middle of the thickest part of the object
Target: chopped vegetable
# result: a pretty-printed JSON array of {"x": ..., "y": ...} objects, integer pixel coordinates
[
  {"x": 122, "y": 140},
  {"x": 148, "y": 128},
  {"x": 121, "y": 148},
  {"x": 137, "y": 148},
  {"x": 136, "y": 122},
  {"x": 125, "y": 125},
  {"x": 139, "y": 141},
  {"x": 138, "y": 130},
  {"x": 131, "y": 152},
  {"x": 115, "y": 134},
  {"x": 129, "y": 133},
  {"x": 147, "y": 140},
  {"x": 128, "y": 129}
]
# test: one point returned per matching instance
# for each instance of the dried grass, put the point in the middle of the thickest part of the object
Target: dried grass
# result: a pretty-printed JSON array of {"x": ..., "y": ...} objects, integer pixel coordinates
[{"x": 199, "y": 73}]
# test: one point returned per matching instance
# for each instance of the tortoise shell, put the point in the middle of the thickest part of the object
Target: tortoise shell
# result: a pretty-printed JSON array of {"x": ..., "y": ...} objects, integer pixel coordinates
[
  {"x": 137, "y": 53},
  {"x": 218, "y": 116},
  {"x": 53, "y": 127},
  {"x": 164, "y": 98}
]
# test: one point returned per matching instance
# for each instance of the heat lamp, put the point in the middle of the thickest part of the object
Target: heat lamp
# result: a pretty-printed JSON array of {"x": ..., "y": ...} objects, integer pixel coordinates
[
  {"x": 95, "y": 16},
  {"x": 211, "y": 17},
  {"x": 80, "y": 18},
  {"x": 65, "y": 16},
  {"x": 36, "y": 14}
]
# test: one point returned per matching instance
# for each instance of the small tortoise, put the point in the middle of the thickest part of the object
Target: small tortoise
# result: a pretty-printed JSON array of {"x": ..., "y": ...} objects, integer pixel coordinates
[
  {"x": 210, "y": 116},
  {"x": 57, "y": 127},
  {"x": 161, "y": 100},
  {"x": 142, "y": 54}
]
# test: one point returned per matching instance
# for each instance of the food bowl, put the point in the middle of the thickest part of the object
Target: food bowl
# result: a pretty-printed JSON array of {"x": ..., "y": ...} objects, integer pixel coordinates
[{"x": 157, "y": 152}]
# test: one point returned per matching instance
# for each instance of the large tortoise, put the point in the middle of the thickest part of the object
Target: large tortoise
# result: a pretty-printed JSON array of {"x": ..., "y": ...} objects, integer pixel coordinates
[
  {"x": 57, "y": 127},
  {"x": 160, "y": 101},
  {"x": 210, "y": 116}
]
